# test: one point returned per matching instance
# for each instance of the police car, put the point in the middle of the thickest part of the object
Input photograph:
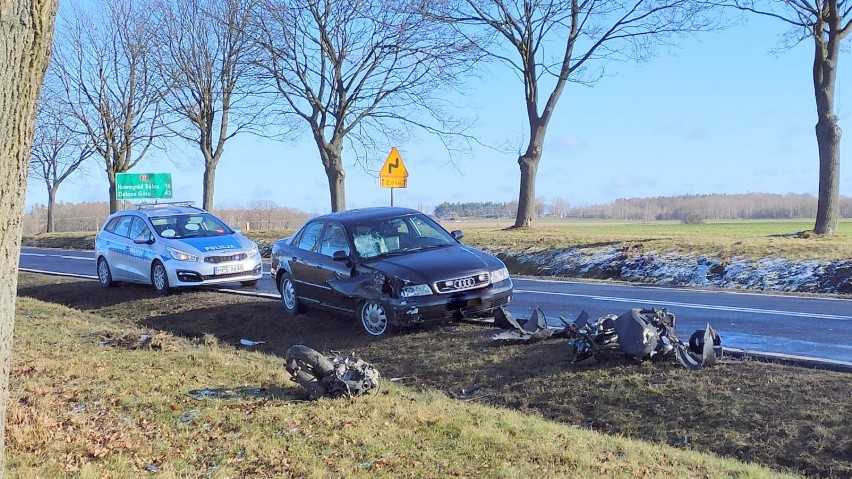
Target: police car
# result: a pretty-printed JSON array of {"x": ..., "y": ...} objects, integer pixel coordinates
[{"x": 172, "y": 245}]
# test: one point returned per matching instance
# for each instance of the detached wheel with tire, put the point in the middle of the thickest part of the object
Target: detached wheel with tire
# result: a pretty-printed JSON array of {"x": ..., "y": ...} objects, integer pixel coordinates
[
  {"x": 160, "y": 278},
  {"x": 104, "y": 273},
  {"x": 289, "y": 298},
  {"x": 309, "y": 368},
  {"x": 373, "y": 317}
]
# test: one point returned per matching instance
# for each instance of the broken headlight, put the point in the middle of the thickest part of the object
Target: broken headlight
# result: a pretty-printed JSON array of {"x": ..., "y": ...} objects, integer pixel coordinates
[
  {"x": 410, "y": 290},
  {"x": 498, "y": 275}
]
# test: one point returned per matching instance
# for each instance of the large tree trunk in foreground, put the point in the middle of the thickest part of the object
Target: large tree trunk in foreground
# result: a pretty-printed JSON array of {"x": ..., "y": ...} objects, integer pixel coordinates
[{"x": 26, "y": 34}]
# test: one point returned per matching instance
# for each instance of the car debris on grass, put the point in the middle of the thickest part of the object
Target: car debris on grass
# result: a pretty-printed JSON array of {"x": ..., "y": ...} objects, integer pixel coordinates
[{"x": 640, "y": 333}]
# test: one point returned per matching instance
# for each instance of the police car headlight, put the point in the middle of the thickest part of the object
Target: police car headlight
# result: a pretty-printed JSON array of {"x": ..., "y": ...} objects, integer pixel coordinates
[
  {"x": 253, "y": 250},
  {"x": 181, "y": 256},
  {"x": 411, "y": 290},
  {"x": 498, "y": 275}
]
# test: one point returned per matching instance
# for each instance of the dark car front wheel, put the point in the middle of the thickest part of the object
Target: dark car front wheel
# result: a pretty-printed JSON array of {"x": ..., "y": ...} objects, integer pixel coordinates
[
  {"x": 289, "y": 298},
  {"x": 104, "y": 274},
  {"x": 373, "y": 318}
]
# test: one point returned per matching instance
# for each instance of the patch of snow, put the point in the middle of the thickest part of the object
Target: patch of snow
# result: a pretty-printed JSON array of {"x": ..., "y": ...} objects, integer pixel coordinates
[{"x": 767, "y": 274}]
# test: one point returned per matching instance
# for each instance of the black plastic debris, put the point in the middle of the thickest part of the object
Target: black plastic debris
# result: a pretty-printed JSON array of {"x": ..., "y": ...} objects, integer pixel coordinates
[
  {"x": 704, "y": 349},
  {"x": 641, "y": 334},
  {"x": 533, "y": 329},
  {"x": 333, "y": 376}
]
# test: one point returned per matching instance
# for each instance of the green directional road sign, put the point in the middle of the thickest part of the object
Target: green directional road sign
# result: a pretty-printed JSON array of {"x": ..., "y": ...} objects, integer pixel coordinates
[{"x": 142, "y": 186}]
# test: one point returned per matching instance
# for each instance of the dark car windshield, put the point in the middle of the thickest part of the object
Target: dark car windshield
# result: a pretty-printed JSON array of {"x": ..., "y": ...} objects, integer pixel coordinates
[
  {"x": 189, "y": 226},
  {"x": 398, "y": 235}
]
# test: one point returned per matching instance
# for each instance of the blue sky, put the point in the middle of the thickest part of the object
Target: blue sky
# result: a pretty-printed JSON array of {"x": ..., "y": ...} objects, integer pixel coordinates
[{"x": 721, "y": 113}]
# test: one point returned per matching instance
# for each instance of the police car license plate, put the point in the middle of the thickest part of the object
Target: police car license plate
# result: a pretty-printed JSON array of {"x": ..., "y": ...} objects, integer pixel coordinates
[{"x": 234, "y": 268}]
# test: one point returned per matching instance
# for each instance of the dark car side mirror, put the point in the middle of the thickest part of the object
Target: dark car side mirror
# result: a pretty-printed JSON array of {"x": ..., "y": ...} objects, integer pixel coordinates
[
  {"x": 457, "y": 234},
  {"x": 341, "y": 255}
]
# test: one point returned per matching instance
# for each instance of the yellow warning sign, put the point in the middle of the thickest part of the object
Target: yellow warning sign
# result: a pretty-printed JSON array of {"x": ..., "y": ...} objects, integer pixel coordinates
[{"x": 393, "y": 174}]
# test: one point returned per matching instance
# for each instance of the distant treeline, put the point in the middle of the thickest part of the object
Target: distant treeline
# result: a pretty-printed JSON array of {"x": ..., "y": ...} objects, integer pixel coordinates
[
  {"x": 708, "y": 207},
  {"x": 257, "y": 215},
  {"x": 267, "y": 215}
]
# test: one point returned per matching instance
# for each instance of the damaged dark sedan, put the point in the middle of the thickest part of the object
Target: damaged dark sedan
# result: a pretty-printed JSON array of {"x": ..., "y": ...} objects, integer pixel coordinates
[{"x": 387, "y": 266}]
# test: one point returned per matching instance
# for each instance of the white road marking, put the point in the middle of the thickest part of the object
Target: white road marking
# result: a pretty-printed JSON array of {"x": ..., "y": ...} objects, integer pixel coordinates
[
  {"x": 711, "y": 307},
  {"x": 54, "y": 273},
  {"x": 57, "y": 256}
]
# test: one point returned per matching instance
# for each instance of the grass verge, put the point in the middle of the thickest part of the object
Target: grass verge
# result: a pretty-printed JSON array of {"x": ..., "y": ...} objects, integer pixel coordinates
[
  {"x": 85, "y": 405},
  {"x": 753, "y": 239},
  {"x": 785, "y": 418}
]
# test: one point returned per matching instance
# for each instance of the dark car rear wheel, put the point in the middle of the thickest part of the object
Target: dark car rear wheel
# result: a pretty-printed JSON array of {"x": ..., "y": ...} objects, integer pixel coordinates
[
  {"x": 373, "y": 318},
  {"x": 160, "y": 278},
  {"x": 289, "y": 298},
  {"x": 104, "y": 274}
]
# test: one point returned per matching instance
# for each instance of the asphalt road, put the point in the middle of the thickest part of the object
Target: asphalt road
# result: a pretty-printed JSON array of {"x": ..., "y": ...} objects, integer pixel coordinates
[{"x": 815, "y": 327}]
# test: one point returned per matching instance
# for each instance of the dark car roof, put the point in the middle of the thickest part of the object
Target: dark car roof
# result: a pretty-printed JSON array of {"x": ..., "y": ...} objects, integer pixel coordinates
[{"x": 366, "y": 214}]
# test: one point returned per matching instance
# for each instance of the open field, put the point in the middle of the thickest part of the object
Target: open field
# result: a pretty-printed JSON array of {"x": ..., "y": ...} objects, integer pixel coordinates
[
  {"x": 747, "y": 238},
  {"x": 523, "y": 409}
]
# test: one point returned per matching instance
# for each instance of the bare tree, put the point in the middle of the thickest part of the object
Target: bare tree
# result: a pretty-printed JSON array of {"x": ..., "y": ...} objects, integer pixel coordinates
[
  {"x": 560, "y": 207},
  {"x": 57, "y": 150},
  {"x": 548, "y": 43},
  {"x": 206, "y": 53},
  {"x": 360, "y": 71},
  {"x": 106, "y": 66},
  {"x": 26, "y": 34},
  {"x": 827, "y": 23}
]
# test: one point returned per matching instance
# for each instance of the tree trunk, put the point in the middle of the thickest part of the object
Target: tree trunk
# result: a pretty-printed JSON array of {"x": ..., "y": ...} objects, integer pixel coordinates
[
  {"x": 26, "y": 35},
  {"x": 113, "y": 200},
  {"x": 332, "y": 161},
  {"x": 336, "y": 185},
  {"x": 209, "y": 185},
  {"x": 528, "y": 163},
  {"x": 51, "y": 201},
  {"x": 828, "y": 135},
  {"x": 828, "y": 140}
]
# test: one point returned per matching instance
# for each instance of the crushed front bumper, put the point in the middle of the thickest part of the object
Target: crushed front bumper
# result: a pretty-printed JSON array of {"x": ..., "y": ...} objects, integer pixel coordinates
[{"x": 416, "y": 310}]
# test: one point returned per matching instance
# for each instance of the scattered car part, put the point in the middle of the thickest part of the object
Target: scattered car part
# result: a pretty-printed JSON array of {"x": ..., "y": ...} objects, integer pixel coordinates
[
  {"x": 334, "y": 376},
  {"x": 642, "y": 334},
  {"x": 705, "y": 348},
  {"x": 532, "y": 329}
]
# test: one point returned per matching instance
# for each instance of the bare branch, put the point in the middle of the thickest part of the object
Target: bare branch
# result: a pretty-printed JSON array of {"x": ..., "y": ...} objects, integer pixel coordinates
[
  {"x": 103, "y": 61},
  {"x": 359, "y": 70}
]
